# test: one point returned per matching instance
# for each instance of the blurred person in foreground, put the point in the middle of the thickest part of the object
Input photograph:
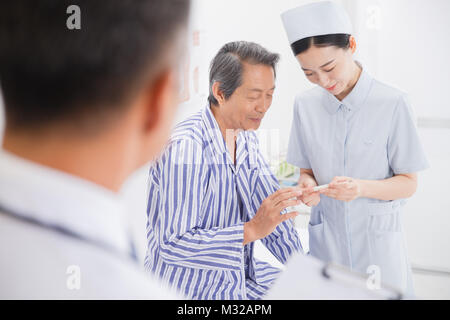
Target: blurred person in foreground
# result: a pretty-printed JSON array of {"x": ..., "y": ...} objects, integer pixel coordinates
[{"x": 84, "y": 109}]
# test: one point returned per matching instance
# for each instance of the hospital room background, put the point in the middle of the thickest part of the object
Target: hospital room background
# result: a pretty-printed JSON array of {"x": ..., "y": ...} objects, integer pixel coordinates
[{"x": 404, "y": 43}]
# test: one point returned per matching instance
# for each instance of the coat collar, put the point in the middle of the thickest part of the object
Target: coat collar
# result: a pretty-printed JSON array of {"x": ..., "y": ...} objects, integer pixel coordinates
[
  {"x": 59, "y": 199},
  {"x": 355, "y": 99}
]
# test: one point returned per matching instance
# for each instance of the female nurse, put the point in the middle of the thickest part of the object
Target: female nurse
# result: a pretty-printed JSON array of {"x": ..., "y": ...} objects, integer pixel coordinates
[{"x": 359, "y": 136}]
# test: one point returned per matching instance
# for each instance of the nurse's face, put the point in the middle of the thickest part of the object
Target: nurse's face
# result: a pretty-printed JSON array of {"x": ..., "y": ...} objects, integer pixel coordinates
[
  {"x": 330, "y": 67},
  {"x": 249, "y": 102}
]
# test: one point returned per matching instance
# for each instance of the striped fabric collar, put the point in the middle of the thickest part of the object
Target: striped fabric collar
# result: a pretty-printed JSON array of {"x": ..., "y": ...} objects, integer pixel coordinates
[{"x": 246, "y": 143}]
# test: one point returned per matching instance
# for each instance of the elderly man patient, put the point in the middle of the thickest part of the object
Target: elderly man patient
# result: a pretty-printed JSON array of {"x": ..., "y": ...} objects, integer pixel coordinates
[{"x": 211, "y": 194}]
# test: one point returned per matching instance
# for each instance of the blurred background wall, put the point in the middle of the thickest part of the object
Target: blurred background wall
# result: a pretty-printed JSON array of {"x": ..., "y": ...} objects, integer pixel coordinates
[{"x": 404, "y": 43}]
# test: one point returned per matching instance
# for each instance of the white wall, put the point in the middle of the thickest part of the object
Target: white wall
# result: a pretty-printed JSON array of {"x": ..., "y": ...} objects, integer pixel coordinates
[{"x": 405, "y": 43}]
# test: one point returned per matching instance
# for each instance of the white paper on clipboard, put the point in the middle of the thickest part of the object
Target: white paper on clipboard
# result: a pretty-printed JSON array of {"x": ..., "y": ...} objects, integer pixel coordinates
[{"x": 304, "y": 278}]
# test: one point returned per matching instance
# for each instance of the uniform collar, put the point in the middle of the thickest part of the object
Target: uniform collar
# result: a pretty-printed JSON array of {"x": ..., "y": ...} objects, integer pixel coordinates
[
  {"x": 59, "y": 199},
  {"x": 355, "y": 99}
]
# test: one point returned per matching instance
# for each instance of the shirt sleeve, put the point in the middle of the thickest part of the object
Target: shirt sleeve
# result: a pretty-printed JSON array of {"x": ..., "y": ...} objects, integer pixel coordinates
[
  {"x": 284, "y": 240},
  {"x": 180, "y": 191},
  {"x": 405, "y": 151},
  {"x": 296, "y": 154}
]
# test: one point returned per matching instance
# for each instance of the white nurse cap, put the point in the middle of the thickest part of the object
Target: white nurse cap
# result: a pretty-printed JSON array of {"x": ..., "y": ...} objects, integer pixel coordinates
[{"x": 315, "y": 19}]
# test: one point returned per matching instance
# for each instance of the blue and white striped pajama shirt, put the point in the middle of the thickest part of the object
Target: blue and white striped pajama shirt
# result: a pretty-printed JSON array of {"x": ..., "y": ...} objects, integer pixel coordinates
[{"x": 198, "y": 202}]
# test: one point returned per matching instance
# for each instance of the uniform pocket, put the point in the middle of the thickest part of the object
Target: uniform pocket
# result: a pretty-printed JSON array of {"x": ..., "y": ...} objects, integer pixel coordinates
[
  {"x": 384, "y": 216},
  {"x": 316, "y": 236},
  {"x": 386, "y": 243},
  {"x": 373, "y": 149}
]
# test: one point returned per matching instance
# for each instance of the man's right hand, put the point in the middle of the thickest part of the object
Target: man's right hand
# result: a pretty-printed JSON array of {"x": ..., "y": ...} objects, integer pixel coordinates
[{"x": 268, "y": 216}]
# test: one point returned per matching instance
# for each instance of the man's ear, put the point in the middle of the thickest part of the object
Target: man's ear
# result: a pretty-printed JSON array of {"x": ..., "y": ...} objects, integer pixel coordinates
[
  {"x": 161, "y": 100},
  {"x": 158, "y": 105},
  {"x": 218, "y": 94},
  {"x": 352, "y": 43}
]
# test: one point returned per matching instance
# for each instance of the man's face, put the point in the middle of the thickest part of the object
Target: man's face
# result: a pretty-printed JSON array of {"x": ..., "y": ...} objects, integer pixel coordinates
[{"x": 248, "y": 104}]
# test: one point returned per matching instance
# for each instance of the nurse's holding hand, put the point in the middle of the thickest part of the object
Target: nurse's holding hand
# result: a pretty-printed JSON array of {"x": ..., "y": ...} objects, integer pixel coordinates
[
  {"x": 357, "y": 135},
  {"x": 348, "y": 189},
  {"x": 340, "y": 188},
  {"x": 307, "y": 184}
]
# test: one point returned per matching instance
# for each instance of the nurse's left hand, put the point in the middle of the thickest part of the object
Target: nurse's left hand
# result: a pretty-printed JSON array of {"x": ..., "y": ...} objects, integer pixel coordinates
[{"x": 343, "y": 188}]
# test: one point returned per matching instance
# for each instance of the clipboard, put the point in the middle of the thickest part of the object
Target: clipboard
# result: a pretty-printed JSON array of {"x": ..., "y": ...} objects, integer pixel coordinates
[
  {"x": 306, "y": 277},
  {"x": 344, "y": 275}
]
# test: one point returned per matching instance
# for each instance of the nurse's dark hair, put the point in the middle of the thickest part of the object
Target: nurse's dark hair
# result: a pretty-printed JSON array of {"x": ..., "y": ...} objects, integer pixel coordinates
[
  {"x": 82, "y": 78},
  {"x": 226, "y": 67},
  {"x": 339, "y": 40}
]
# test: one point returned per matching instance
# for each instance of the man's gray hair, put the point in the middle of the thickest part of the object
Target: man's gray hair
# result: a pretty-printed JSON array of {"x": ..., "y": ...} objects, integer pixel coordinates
[{"x": 226, "y": 67}]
